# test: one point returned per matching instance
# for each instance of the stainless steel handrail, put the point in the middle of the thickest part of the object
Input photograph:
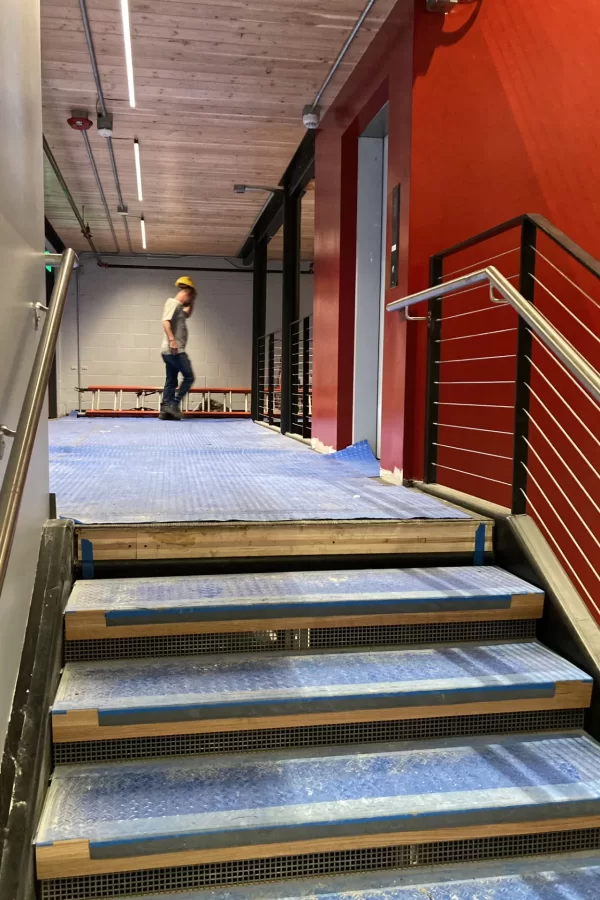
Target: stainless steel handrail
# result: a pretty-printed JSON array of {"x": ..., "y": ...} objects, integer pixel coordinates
[
  {"x": 15, "y": 476},
  {"x": 585, "y": 374}
]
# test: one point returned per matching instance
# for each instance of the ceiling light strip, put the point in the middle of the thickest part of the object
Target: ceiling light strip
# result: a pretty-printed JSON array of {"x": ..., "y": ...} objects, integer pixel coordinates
[
  {"x": 138, "y": 168},
  {"x": 143, "y": 226},
  {"x": 128, "y": 51}
]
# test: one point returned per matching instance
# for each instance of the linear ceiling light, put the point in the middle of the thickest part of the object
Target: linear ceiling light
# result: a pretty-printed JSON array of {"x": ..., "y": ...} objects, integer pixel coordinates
[
  {"x": 138, "y": 168},
  {"x": 143, "y": 224},
  {"x": 128, "y": 52}
]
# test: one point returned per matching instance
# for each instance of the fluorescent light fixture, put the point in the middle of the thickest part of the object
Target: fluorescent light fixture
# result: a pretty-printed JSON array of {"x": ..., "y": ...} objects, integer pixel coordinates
[
  {"x": 128, "y": 52},
  {"x": 143, "y": 224},
  {"x": 138, "y": 168}
]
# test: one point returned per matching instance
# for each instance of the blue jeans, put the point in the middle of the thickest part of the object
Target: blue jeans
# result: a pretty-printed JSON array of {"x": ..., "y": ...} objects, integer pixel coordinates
[{"x": 174, "y": 364}]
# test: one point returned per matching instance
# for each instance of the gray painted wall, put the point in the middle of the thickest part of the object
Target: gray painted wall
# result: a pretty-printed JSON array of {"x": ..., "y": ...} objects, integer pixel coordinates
[
  {"x": 21, "y": 246},
  {"x": 120, "y": 329}
]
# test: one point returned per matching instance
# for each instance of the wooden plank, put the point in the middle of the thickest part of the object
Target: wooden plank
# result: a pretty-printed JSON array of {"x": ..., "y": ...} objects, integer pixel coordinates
[
  {"x": 84, "y": 725},
  {"x": 71, "y": 858},
  {"x": 222, "y": 540},
  {"x": 92, "y": 625}
]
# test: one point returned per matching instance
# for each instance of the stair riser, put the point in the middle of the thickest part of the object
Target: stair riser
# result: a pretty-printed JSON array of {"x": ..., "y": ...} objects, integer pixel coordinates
[{"x": 74, "y": 858}]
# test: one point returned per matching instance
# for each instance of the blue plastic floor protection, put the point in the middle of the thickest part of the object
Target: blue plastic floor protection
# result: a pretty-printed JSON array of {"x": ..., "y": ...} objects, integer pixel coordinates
[
  {"x": 140, "y": 807},
  {"x": 138, "y": 470},
  {"x": 360, "y": 457},
  {"x": 436, "y": 675},
  {"x": 558, "y": 878},
  {"x": 485, "y": 585}
]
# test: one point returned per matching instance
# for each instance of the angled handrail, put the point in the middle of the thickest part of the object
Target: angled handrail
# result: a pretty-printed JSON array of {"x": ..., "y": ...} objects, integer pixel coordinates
[
  {"x": 587, "y": 376},
  {"x": 15, "y": 476}
]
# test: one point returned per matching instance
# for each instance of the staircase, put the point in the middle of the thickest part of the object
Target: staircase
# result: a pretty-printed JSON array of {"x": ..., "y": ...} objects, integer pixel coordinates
[{"x": 224, "y": 730}]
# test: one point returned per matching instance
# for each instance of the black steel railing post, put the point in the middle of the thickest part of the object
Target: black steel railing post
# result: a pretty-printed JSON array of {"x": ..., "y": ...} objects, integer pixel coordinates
[
  {"x": 259, "y": 302},
  {"x": 295, "y": 376},
  {"x": 292, "y": 205},
  {"x": 523, "y": 373},
  {"x": 306, "y": 429},
  {"x": 433, "y": 374},
  {"x": 271, "y": 379}
]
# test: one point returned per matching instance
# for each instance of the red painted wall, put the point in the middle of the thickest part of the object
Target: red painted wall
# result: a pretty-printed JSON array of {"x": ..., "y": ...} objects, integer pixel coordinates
[
  {"x": 495, "y": 114},
  {"x": 494, "y": 111}
]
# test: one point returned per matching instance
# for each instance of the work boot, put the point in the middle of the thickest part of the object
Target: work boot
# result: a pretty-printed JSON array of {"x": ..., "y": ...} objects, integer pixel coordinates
[
  {"x": 165, "y": 411},
  {"x": 174, "y": 412}
]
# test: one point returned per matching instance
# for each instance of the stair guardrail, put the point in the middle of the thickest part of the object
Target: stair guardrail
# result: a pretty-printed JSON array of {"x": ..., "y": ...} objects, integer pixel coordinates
[
  {"x": 301, "y": 345},
  {"x": 513, "y": 393},
  {"x": 269, "y": 363},
  {"x": 15, "y": 476}
]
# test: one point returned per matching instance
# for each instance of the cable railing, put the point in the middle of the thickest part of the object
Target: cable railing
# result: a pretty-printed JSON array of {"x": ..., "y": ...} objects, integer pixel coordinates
[
  {"x": 269, "y": 378},
  {"x": 512, "y": 411},
  {"x": 17, "y": 467},
  {"x": 301, "y": 344}
]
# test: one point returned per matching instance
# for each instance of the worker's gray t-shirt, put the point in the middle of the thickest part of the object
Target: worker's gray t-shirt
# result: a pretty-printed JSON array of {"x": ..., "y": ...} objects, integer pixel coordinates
[{"x": 173, "y": 311}]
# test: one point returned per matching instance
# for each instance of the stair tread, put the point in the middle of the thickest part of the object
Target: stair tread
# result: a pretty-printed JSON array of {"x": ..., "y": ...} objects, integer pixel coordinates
[
  {"x": 569, "y": 878},
  {"x": 437, "y": 675},
  {"x": 128, "y": 810},
  {"x": 135, "y": 600}
]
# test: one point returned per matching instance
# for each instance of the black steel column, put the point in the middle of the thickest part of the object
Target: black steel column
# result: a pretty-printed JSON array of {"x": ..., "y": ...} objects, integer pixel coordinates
[
  {"x": 259, "y": 305},
  {"x": 523, "y": 376},
  {"x": 292, "y": 205},
  {"x": 52, "y": 381},
  {"x": 433, "y": 374}
]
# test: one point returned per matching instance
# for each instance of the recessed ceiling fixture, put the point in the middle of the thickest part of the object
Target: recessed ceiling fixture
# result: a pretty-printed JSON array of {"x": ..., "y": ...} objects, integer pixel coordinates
[
  {"x": 138, "y": 168},
  {"x": 128, "y": 51},
  {"x": 143, "y": 224}
]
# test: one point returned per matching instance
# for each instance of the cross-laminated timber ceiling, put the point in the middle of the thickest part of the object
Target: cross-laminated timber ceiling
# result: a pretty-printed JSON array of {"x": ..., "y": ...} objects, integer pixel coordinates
[{"x": 220, "y": 88}]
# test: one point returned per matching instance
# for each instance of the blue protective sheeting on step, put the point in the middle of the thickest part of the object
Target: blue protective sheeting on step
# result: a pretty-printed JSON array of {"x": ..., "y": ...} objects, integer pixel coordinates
[
  {"x": 360, "y": 457},
  {"x": 141, "y": 470},
  {"x": 436, "y": 675},
  {"x": 126, "y": 809},
  {"x": 445, "y": 587}
]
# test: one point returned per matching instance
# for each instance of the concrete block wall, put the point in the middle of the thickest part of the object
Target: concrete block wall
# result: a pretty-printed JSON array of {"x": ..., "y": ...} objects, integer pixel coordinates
[{"x": 120, "y": 329}]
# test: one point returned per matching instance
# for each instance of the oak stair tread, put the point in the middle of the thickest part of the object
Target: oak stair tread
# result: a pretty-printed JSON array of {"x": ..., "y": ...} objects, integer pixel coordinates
[{"x": 127, "y": 816}]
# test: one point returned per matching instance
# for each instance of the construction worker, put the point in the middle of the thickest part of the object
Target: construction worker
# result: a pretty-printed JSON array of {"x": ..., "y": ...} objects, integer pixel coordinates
[{"x": 177, "y": 311}]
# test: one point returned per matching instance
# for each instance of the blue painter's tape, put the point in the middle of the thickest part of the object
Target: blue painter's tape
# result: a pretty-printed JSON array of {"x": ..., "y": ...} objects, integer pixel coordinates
[
  {"x": 87, "y": 558},
  {"x": 479, "y": 556}
]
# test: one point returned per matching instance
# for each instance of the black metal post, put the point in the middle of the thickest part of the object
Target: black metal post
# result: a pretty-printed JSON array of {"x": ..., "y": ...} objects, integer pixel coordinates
[
  {"x": 433, "y": 374},
  {"x": 523, "y": 376},
  {"x": 290, "y": 299},
  {"x": 306, "y": 425},
  {"x": 295, "y": 376},
  {"x": 53, "y": 380},
  {"x": 271, "y": 379},
  {"x": 259, "y": 305}
]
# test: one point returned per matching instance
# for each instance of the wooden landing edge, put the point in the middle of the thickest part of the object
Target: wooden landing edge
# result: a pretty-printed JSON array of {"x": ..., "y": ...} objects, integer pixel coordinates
[
  {"x": 226, "y": 540},
  {"x": 84, "y": 725},
  {"x": 66, "y": 859},
  {"x": 92, "y": 625}
]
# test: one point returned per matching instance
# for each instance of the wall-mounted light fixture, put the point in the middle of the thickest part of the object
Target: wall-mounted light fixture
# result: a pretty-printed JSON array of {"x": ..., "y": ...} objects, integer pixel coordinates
[
  {"x": 445, "y": 6},
  {"x": 128, "y": 51},
  {"x": 143, "y": 227},
  {"x": 244, "y": 188}
]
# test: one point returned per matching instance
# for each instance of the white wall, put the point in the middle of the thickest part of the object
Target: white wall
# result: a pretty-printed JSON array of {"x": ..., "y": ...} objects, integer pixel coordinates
[
  {"x": 21, "y": 246},
  {"x": 120, "y": 330}
]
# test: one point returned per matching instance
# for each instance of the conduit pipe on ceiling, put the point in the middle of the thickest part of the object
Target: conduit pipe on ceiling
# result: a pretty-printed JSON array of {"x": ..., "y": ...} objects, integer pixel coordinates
[
  {"x": 342, "y": 53},
  {"x": 103, "y": 110},
  {"x": 85, "y": 229},
  {"x": 90, "y": 153}
]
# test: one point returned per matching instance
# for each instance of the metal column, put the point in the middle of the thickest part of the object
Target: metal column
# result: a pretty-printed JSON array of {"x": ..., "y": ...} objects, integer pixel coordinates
[
  {"x": 523, "y": 376},
  {"x": 259, "y": 305},
  {"x": 292, "y": 205}
]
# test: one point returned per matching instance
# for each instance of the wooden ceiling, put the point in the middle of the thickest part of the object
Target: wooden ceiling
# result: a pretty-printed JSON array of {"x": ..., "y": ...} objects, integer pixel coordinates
[{"x": 220, "y": 87}]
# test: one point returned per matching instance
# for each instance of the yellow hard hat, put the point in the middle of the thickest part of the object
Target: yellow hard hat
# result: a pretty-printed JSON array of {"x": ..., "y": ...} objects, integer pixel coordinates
[{"x": 185, "y": 281}]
